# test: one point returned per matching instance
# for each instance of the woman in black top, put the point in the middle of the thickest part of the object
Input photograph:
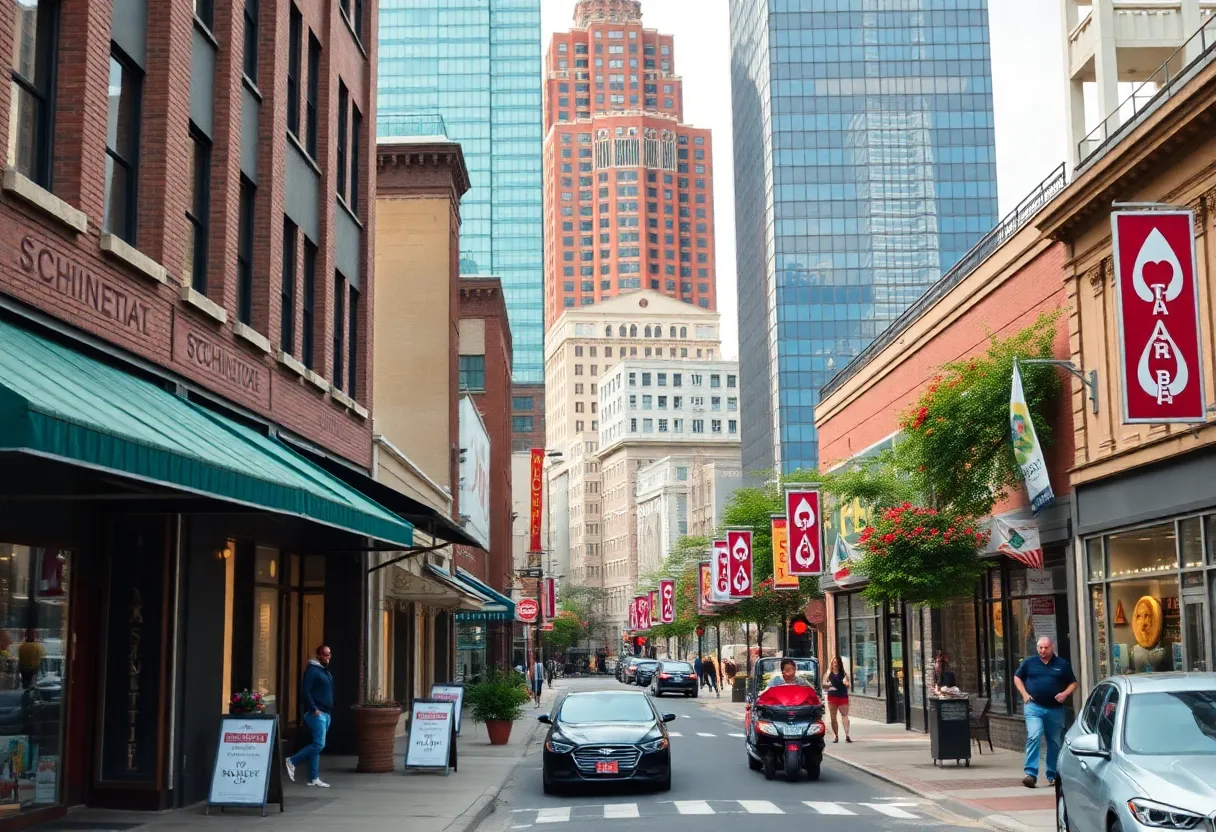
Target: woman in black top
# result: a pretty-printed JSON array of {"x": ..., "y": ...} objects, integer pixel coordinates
[{"x": 836, "y": 682}]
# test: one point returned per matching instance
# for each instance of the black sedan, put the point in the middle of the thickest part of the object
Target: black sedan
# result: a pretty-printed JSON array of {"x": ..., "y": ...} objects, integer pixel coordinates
[
  {"x": 629, "y": 668},
  {"x": 674, "y": 677},
  {"x": 644, "y": 673},
  {"x": 606, "y": 737}
]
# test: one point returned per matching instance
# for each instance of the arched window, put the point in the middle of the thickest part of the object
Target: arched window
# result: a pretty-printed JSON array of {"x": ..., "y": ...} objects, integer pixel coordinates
[
  {"x": 673, "y": 332},
  {"x": 622, "y": 331},
  {"x": 683, "y": 332},
  {"x": 633, "y": 330},
  {"x": 608, "y": 331},
  {"x": 658, "y": 331}
]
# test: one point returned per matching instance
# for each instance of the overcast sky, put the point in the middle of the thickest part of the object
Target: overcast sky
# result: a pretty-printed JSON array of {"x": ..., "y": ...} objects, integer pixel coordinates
[{"x": 1028, "y": 85}]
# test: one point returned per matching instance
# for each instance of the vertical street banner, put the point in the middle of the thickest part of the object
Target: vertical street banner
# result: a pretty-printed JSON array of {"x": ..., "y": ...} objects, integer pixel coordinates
[
  {"x": 1026, "y": 448},
  {"x": 550, "y": 596},
  {"x": 633, "y": 615},
  {"x": 1157, "y": 295},
  {"x": 739, "y": 543},
  {"x": 705, "y": 586},
  {"x": 643, "y": 605},
  {"x": 720, "y": 566},
  {"x": 653, "y": 605},
  {"x": 845, "y": 562},
  {"x": 805, "y": 529},
  {"x": 782, "y": 577},
  {"x": 537, "y": 473},
  {"x": 667, "y": 601}
]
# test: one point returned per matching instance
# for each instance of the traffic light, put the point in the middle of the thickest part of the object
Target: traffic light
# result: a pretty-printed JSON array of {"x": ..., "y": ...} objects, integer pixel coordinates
[{"x": 799, "y": 627}]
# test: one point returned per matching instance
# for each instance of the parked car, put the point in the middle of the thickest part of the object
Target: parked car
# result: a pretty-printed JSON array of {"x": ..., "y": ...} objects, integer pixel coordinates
[
  {"x": 644, "y": 672},
  {"x": 1141, "y": 755},
  {"x": 630, "y": 669},
  {"x": 674, "y": 677},
  {"x": 606, "y": 737}
]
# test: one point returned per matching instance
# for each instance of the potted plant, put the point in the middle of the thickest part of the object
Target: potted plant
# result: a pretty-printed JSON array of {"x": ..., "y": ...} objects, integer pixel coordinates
[
  {"x": 247, "y": 702},
  {"x": 376, "y": 721},
  {"x": 498, "y": 700}
]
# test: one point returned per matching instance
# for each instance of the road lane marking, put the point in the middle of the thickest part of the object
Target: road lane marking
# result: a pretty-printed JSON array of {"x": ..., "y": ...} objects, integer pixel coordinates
[
  {"x": 760, "y": 807},
  {"x": 620, "y": 810},
  {"x": 694, "y": 807},
  {"x": 674, "y": 734},
  {"x": 828, "y": 808},
  {"x": 891, "y": 810},
  {"x": 702, "y": 734},
  {"x": 736, "y": 735},
  {"x": 560, "y": 814}
]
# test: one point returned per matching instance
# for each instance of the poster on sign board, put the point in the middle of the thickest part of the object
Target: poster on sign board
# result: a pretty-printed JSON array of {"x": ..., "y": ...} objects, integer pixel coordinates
[
  {"x": 432, "y": 732},
  {"x": 805, "y": 531},
  {"x": 653, "y": 603},
  {"x": 248, "y": 763},
  {"x": 453, "y": 693},
  {"x": 705, "y": 582},
  {"x": 720, "y": 565},
  {"x": 739, "y": 544},
  {"x": 783, "y": 579},
  {"x": 667, "y": 596}
]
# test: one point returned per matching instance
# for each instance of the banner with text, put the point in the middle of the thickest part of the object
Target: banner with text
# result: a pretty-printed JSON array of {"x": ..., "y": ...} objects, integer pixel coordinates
[
  {"x": 667, "y": 601},
  {"x": 537, "y": 470},
  {"x": 782, "y": 576}
]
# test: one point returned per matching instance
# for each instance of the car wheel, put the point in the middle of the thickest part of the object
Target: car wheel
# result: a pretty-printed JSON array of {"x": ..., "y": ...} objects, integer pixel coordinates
[
  {"x": 812, "y": 771},
  {"x": 770, "y": 767},
  {"x": 1061, "y": 809},
  {"x": 694, "y": 694},
  {"x": 1116, "y": 825},
  {"x": 665, "y": 784}
]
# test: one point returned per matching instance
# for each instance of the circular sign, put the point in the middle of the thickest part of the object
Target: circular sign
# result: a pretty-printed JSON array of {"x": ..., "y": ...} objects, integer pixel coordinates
[
  {"x": 816, "y": 611},
  {"x": 1147, "y": 622},
  {"x": 527, "y": 610}
]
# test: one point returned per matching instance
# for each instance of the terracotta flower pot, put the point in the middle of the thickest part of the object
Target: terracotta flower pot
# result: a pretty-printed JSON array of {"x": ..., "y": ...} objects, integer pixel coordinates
[
  {"x": 375, "y": 729},
  {"x": 499, "y": 731}
]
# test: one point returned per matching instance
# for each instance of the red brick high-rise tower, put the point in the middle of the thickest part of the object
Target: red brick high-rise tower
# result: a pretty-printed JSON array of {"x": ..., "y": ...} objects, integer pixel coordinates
[{"x": 628, "y": 186}]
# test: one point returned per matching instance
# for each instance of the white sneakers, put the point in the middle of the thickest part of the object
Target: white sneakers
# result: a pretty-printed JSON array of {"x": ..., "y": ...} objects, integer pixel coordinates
[
  {"x": 319, "y": 783},
  {"x": 291, "y": 770}
]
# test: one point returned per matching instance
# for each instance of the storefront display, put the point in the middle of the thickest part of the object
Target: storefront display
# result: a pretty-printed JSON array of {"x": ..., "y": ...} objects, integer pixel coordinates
[{"x": 858, "y": 625}]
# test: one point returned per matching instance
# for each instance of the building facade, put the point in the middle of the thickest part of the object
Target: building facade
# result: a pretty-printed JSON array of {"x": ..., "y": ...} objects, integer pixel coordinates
[
  {"x": 864, "y": 169},
  {"x": 628, "y": 185},
  {"x": 187, "y": 292},
  {"x": 712, "y": 483},
  {"x": 473, "y": 64},
  {"x": 662, "y": 499},
  {"x": 579, "y": 349},
  {"x": 652, "y": 410}
]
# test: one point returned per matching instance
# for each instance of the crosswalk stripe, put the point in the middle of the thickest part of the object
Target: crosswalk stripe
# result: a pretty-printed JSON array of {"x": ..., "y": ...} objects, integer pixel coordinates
[
  {"x": 694, "y": 807},
  {"x": 674, "y": 734},
  {"x": 621, "y": 810},
  {"x": 760, "y": 807},
  {"x": 701, "y": 734},
  {"x": 828, "y": 808},
  {"x": 891, "y": 810},
  {"x": 739, "y": 736},
  {"x": 560, "y": 814}
]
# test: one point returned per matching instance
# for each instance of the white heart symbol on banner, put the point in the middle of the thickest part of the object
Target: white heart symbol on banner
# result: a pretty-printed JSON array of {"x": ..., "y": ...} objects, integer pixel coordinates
[
  {"x": 742, "y": 582},
  {"x": 804, "y": 516}
]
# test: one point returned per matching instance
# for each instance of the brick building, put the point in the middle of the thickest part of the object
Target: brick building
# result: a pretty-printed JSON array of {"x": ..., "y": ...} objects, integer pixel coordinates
[
  {"x": 628, "y": 185},
  {"x": 186, "y": 286}
]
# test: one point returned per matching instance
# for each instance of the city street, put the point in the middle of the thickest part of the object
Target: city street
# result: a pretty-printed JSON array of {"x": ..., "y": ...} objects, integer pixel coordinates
[{"x": 711, "y": 777}]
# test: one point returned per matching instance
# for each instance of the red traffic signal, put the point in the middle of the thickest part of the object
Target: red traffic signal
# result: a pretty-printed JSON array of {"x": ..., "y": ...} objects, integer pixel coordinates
[
  {"x": 640, "y": 640},
  {"x": 799, "y": 628},
  {"x": 700, "y": 631}
]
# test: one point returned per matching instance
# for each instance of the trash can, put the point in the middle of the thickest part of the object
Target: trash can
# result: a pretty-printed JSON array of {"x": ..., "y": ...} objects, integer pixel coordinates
[
  {"x": 738, "y": 691},
  {"x": 950, "y": 729}
]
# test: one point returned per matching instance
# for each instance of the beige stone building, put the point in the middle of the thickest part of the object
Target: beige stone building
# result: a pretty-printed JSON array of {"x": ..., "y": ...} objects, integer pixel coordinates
[
  {"x": 580, "y": 348},
  {"x": 711, "y": 483}
]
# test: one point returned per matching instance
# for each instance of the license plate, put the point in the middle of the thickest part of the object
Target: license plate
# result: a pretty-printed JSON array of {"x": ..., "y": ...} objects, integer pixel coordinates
[
  {"x": 792, "y": 746},
  {"x": 607, "y": 768}
]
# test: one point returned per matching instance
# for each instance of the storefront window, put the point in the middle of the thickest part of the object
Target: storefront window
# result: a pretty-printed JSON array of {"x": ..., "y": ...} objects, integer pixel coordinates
[
  {"x": 1146, "y": 626},
  {"x": 33, "y": 664},
  {"x": 1191, "y": 543},
  {"x": 1097, "y": 605},
  {"x": 1093, "y": 548},
  {"x": 997, "y": 660},
  {"x": 858, "y": 643},
  {"x": 1142, "y": 552},
  {"x": 1194, "y": 642},
  {"x": 266, "y": 626},
  {"x": 1209, "y": 535}
]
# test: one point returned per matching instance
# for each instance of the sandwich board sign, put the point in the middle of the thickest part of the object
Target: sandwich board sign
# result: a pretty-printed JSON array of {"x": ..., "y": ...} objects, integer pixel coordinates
[
  {"x": 451, "y": 692},
  {"x": 248, "y": 769},
  {"x": 432, "y": 737}
]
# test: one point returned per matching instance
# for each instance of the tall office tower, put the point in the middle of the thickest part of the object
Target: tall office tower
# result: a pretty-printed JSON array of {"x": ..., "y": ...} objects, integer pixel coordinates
[
  {"x": 864, "y": 168},
  {"x": 473, "y": 66},
  {"x": 628, "y": 185}
]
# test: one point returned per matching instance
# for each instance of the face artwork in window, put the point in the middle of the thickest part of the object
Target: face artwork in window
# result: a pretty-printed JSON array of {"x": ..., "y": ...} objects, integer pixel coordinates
[{"x": 1147, "y": 622}]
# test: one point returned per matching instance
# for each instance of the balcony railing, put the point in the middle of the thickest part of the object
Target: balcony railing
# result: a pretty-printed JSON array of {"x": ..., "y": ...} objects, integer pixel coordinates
[
  {"x": 414, "y": 125},
  {"x": 1149, "y": 95},
  {"x": 981, "y": 251}
]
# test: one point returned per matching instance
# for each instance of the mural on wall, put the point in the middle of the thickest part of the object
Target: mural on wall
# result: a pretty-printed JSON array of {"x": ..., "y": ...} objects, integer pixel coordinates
[{"x": 474, "y": 473}]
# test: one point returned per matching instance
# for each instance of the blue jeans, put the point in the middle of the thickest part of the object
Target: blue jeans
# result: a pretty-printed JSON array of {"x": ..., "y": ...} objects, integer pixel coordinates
[
  {"x": 311, "y": 753},
  {"x": 1042, "y": 721}
]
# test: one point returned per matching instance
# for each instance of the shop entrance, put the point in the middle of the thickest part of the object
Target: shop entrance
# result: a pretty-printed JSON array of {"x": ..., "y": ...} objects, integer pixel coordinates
[{"x": 897, "y": 679}]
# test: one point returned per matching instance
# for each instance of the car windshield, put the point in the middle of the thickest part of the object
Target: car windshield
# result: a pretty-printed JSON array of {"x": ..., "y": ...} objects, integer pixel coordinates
[
  {"x": 582, "y": 710},
  {"x": 677, "y": 667},
  {"x": 1181, "y": 723}
]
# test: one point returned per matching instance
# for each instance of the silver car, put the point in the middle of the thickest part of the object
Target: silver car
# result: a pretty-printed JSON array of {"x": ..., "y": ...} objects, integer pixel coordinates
[{"x": 1141, "y": 756}]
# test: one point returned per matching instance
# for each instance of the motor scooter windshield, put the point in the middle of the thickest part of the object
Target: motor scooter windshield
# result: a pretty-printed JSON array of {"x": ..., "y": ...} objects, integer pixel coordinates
[{"x": 788, "y": 696}]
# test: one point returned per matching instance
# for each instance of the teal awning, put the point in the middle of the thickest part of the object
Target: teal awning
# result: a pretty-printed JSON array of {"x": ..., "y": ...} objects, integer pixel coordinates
[
  {"x": 59, "y": 404},
  {"x": 500, "y": 608}
]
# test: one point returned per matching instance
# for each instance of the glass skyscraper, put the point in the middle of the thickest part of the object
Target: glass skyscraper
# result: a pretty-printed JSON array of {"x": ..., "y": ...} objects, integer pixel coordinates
[
  {"x": 865, "y": 167},
  {"x": 477, "y": 64}
]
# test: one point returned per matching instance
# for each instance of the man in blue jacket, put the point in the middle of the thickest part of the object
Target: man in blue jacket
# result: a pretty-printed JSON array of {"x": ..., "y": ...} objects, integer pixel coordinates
[{"x": 316, "y": 703}]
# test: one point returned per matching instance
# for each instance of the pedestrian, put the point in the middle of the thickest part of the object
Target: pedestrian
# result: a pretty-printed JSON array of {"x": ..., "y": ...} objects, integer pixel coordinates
[
  {"x": 711, "y": 673},
  {"x": 729, "y": 668},
  {"x": 698, "y": 667},
  {"x": 316, "y": 701},
  {"x": 29, "y": 658},
  {"x": 1046, "y": 682},
  {"x": 536, "y": 680},
  {"x": 837, "y": 684},
  {"x": 943, "y": 676}
]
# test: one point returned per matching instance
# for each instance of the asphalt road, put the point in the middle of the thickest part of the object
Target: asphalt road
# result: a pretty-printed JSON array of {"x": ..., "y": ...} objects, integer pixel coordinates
[{"x": 710, "y": 778}]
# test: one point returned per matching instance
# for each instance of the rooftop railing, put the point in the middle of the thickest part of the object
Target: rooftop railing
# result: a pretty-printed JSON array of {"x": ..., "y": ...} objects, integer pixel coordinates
[{"x": 414, "y": 125}]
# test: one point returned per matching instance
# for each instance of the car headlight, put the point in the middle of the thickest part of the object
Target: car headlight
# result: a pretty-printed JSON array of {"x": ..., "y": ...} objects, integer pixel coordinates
[
  {"x": 654, "y": 745},
  {"x": 559, "y": 745},
  {"x": 1160, "y": 816}
]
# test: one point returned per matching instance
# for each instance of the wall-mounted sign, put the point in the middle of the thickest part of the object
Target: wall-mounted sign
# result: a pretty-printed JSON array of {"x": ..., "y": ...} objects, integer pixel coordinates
[
  {"x": 1157, "y": 292},
  {"x": 705, "y": 585},
  {"x": 739, "y": 543},
  {"x": 474, "y": 473},
  {"x": 536, "y": 482},
  {"x": 783, "y": 578},
  {"x": 667, "y": 601},
  {"x": 432, "y": 735},
  {"x": 802, "y": 508},
  {"x": 208, "y": 357},
  {"x": 527, "y": 610},
  {"x": 248, "y": 763},
  {"x": 720, "y": 565},
  {"x": 652, "y": 604}
]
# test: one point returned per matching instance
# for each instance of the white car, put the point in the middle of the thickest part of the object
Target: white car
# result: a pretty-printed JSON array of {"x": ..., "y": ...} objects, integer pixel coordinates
[{"x": 1141, "y": 756}]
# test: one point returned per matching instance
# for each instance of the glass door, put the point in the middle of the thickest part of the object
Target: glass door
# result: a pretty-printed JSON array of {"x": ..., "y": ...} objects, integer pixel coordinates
[
  {"x": 897, "y": 681},
  {"x": 917, "y": 714}
]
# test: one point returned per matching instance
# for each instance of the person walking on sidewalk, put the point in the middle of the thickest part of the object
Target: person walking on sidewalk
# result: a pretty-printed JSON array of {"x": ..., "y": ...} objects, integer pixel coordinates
[
  {"x": 837, "y": 684},
  {"x": 1046, "y": 682},
  {"x": 317, "y": 701},
  {"x": 698, "y": 667},
  {"x": 536, "y": 680},
  {"x": 711, "y": 673}
]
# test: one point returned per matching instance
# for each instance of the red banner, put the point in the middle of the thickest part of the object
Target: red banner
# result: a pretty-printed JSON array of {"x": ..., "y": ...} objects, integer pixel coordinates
[
  {"x": 652, "y": 604},
  {"x": 739, "y": 543},
  {"x": 720, "y": 590},
  {"x": 536, "y": 479},
  {"x": 1157, "y": 293},
  {"x": 802, "y": 508},
  {"x": 667, "y": 601},
  {"x": 550, "y": 596},
  {"x": 643, "y": 605}
]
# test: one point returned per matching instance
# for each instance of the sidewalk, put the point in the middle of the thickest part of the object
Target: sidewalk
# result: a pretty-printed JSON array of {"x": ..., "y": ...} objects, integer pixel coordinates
[
  {"x": 989, "y": 790},
  {"x": 360, "y": 802}
]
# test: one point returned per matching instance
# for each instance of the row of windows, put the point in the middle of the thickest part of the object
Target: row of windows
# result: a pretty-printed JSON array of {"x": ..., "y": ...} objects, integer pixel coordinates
[
  {"x": 677, "y": 379},
  {"x": 677, "y": 402},
  {"x": 677, "y": 426}
]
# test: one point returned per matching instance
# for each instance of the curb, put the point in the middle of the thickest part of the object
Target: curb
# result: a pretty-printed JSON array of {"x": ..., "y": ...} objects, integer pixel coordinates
[{"x": 485, "y": 805}]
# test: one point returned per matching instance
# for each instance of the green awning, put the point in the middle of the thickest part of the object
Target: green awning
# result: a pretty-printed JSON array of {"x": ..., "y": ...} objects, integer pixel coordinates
[
  {"x": 57, "y": 403},
  {"x": 500, "y": 608}
]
